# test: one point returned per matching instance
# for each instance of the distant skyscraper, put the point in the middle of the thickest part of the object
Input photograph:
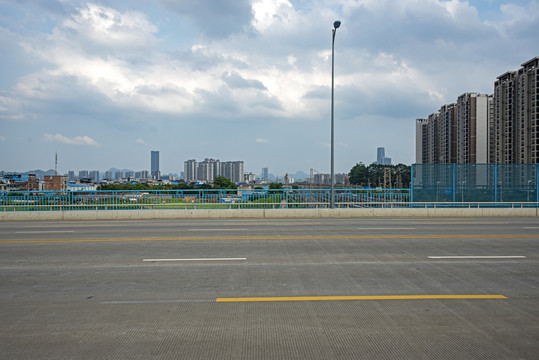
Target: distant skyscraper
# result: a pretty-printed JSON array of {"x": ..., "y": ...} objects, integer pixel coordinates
[
  {"x": 154, "y": 169},
  {"x": 381, "y": 158},
  {"x": 380, "y": 155},
  {"x": 265, "y": 173}
]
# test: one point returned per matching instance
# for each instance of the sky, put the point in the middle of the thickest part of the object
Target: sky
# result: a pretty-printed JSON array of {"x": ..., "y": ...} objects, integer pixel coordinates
[{"x": 103, "y": 83}]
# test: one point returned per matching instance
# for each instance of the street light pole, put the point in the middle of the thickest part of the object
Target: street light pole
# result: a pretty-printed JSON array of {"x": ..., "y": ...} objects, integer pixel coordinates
[{"x": 336, "y": 25}]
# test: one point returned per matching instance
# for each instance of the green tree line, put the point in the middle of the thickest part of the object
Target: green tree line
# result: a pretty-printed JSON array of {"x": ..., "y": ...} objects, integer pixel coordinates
[
  {"x": 373, "y": 175},
  {"x": 220, "y": 182}
]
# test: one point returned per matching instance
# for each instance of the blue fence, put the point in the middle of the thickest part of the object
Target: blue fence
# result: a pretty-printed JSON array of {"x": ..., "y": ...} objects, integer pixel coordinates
[
  {"x": 200, "y": 199},
  {"x": 433, "y": 185},
  {"x": 487, "y": 183}
]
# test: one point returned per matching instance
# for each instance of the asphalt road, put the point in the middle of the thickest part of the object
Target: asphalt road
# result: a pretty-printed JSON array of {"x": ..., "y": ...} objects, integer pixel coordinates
[{"x": 406, "y": 288}]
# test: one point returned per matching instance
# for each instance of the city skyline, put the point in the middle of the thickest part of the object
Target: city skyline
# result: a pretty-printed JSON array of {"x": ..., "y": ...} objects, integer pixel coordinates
[{"x": 102, "y": 83}]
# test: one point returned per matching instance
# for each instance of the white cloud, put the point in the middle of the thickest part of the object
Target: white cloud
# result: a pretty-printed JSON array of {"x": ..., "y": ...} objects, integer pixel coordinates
[
  {"x": 105, "y": 26},
  {"x": 77, "y": 140},
  {"x": 240, "y": 66},
  {"x": 2, "y": 138}
]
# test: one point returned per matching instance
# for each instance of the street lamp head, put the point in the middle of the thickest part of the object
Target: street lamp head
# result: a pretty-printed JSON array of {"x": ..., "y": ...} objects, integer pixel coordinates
[{"x": 336, "y": 24}]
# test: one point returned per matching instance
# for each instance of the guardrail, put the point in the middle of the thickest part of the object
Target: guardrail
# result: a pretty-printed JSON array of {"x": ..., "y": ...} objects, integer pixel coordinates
[
  {"x": 227, "y": 199},
  {"x": 199, "y": 199}
]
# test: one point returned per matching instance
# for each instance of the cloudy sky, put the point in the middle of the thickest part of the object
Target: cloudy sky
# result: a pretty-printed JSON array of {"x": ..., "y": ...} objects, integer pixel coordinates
[{"x": 104, "y": 82}]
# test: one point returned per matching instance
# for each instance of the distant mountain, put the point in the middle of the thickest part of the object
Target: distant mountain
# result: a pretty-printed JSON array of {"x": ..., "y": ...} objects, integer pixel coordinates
[
  {"x": 299, "y": 176},
  {"x": 40, "y": 173}
]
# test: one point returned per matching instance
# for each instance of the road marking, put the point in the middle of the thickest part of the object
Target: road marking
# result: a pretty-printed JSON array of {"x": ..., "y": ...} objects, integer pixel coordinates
[
  {"x": 269, "y": 238},
  {"x": 479, "y": 257},
  {"x": 128, "y": 302},
  {"x": 199, "y": 259},
  {"x": 459, "y": 223},
  {"x": 308, "y": 298},
  {"x": 531, "y": 227},
  {"x": 76, "y": 225},
  {"x": 217, "y": 229},
  {"x": 382, "y": 297},
  {"x": 386, "y": 228},
  {"x": 273, "y": 223},
  {"x": 45, "y": 232}
]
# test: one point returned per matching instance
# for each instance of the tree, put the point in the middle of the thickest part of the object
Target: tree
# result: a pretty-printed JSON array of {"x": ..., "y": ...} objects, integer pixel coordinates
[
  {"x": 275, "y": 186},
  {"x": 221, "y": 182},
  {"x": 373, "y": 175},
  {"x": 359, "y": 175}
]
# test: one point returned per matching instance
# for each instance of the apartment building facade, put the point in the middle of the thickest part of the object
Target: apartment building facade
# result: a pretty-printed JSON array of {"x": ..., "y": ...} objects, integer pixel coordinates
[
  {"x": 502, "y": 128},
  {"x": 209, "y": 169},
  {"x": 516, "y": 115}
]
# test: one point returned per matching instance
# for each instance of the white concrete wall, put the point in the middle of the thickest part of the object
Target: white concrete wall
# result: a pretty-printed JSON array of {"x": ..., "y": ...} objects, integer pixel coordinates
[{"x": 265, "y": 213}]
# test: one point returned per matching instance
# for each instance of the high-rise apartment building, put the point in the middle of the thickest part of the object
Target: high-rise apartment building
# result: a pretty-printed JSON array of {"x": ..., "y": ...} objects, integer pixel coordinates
[
  {"x": 473, "y": 111},
  {"x": 447, "y": 134},
  {"x": 142, "y": 175},
  {"x": 83, "y": 174},
  {"x": 233, "y": 170},
  {"x": 433, "y": 149},
  {"x": 516, "y": 115},
  {"x": 265, "y": 173},
  {"x": 421, "y": 135},
  {"x": 190, "y": 170},
  {"x": 502, "y": 128},
  {"x": 154, "y": 165},
  {"x": 208, "y": 169},
  {"x": 94, "y": 175},
  {"x": 458, "y": 133}
]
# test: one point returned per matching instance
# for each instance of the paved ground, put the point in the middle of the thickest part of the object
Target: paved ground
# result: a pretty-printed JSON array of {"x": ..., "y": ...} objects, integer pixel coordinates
[{"x": 102, "y": 290}]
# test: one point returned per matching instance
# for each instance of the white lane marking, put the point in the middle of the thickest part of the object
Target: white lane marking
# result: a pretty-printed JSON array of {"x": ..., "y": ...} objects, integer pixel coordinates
[
  {"x": 45, "y": 232},
  {"x": 531, "y": 227},
  {"x": 387, "y": 228},
  {"x": 199, "y": 259},
  {"x": 480, "y": 257},
  {"x": 217, "y": 229},
  {"x": 119, "y": 302}
]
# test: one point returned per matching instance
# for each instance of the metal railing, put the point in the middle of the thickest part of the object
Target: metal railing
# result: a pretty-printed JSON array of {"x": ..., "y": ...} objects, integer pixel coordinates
[
  {"x": 201, "y": 199},
  {"x": 228, "y": 199}
]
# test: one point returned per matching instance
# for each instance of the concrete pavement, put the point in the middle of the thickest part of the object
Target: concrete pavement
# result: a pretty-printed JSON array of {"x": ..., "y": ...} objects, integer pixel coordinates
[{"x": 462, "y": 288}]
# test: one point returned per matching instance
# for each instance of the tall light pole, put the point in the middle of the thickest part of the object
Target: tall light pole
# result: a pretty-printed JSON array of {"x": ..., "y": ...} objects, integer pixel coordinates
[{"x": 336, "y": 25}]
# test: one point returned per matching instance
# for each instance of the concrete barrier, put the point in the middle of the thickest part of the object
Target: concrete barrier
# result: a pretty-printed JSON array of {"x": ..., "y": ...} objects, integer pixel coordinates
[{"x": 265, "y": 213}]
